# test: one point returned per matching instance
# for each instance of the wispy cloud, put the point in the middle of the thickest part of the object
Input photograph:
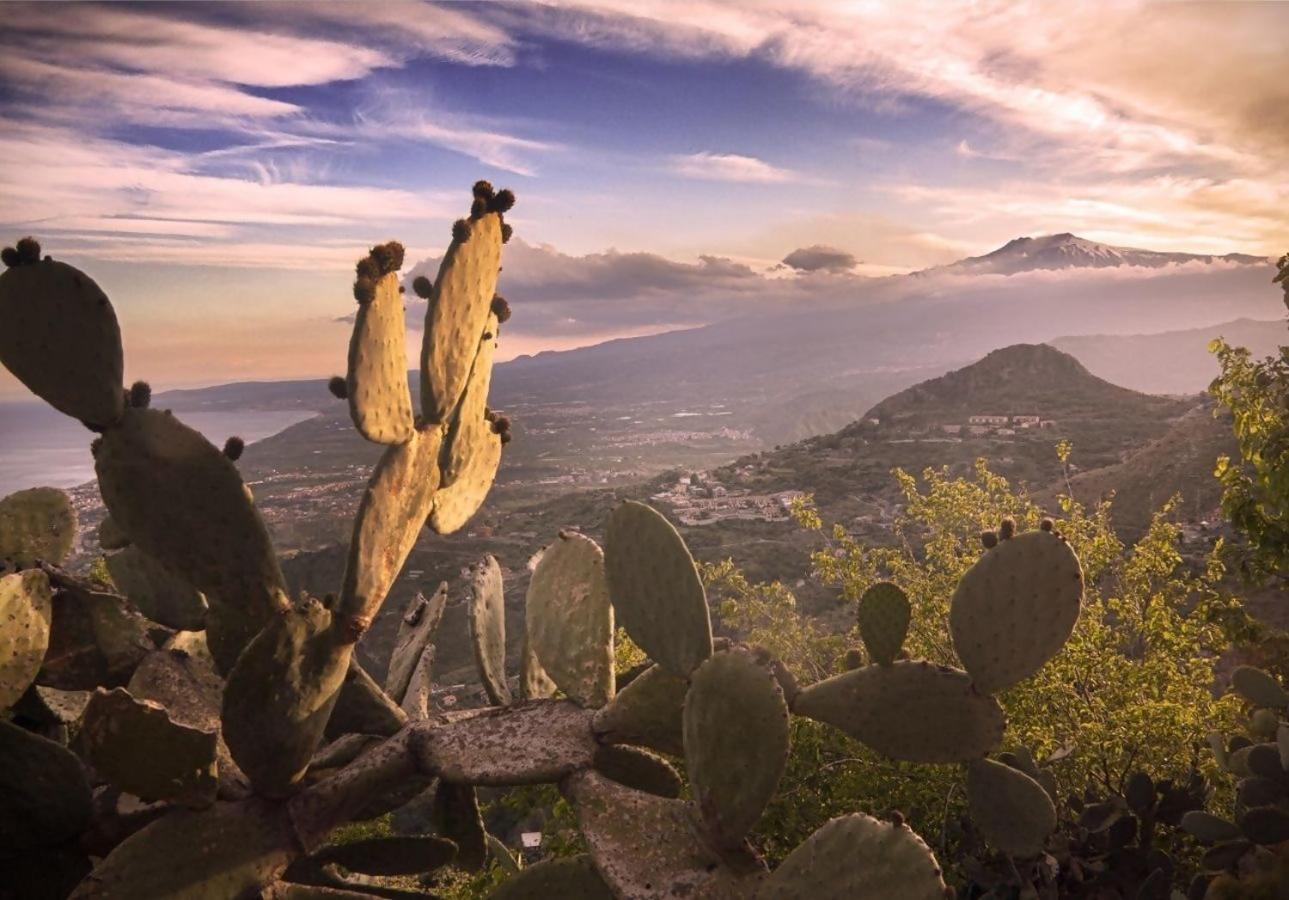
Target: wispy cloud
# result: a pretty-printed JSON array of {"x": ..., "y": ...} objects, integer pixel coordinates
[{"x": 730, "y": 167}]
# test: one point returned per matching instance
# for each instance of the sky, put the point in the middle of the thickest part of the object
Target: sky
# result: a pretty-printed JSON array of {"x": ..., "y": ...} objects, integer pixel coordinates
[{"x": 218, "y": 168}]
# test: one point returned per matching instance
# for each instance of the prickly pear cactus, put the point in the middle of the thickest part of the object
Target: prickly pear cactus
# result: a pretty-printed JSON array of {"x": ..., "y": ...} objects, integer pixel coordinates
[
  {"x": 883, "y": 621},
  {"x": 570, "y": 621},
  {"x": 36, "y": 524},
  {"x": 25, "y": 614},
  {"x": 1015, "y": 608},
  {"x": 656, "y": 591},
  {"x": 1013, "y": 810},
  {"x": 380, "y": 402},
  {"x": 486, "y": 610},
  {"x": 61, "y": 339}
]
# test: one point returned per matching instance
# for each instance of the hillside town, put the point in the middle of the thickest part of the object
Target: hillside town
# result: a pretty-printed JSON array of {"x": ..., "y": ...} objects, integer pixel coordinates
[{"x": 698, "y": 499}]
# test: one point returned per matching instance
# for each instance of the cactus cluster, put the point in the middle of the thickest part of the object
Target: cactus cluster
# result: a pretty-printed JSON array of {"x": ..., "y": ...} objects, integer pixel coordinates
[{"x": 198, "y": 733}]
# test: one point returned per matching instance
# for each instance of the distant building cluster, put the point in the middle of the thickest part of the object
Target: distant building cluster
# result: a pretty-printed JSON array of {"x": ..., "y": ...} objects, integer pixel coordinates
[
  {"x": 698, "y": 499},
  {"x": 1003, "y": 426}
]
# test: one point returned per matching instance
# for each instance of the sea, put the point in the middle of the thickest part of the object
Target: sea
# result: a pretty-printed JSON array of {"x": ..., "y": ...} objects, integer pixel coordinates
[{"x": 41, "y": 447}]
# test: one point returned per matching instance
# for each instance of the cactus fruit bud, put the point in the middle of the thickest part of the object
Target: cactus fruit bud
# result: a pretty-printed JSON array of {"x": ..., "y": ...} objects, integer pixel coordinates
[
  {"x": 506, "y": 232},
  {"x": 95, "y": 446},
  {"x": 28, "y": 251},
  {"x": 367, "y": 267},
  {"x": 364, "y": 290},
  {"x": 421, "y": 286},
  {"x": 9, "y": 256},
  {"x": 501, "y": 426},
  {"x": 1007, "y": 529},
  {"x": 503, "y": 201},
  {"x": 989, "y": 539},
  {"x": 483, "y": 190},
  {"x": 854, "y": 659},
  {"x": 140, "y": 395},
  {"x": 501, "y": 309},
  {"x": 461, "y": 230},
  {"x": 1047, "y": 525},
  {"x": 478, "y": 208},
  {"x": 339, "y": 387},
  {"x": 233, "y": 448},
  {"x": 388, "y": 257}
]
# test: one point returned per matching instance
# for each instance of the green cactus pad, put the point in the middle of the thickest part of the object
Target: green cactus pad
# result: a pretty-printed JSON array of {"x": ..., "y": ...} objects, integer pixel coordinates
[
  {"x": 736, "y": 742},
  {"x": 390, "y": 855},
  {"x": 362, "y": 707},
  {"x": 111, "y": 536},
  {"x": 649, "y": 711},
  {"x": 398, "y": 498},
  {"x": 569, "y": 878},
  {"x": 60, "y": 338},
  {"x": 280, "y": 695},
  {"x": 857, "y": 857},
  {"x": 570, "y": 620},
  {"x": 229, "y": 850},
  {"x": 46, "y": 706},
  {"x": 26, "y": 611},
  {"x": 1265, "y": 825},
  {"x": 159, "y": 594},
  {"x": 36, "y": 524},
  {"x": 1258, "y": 687},
  {"x": 1012, "y": 810},
  {"x": 911, "y": 710},
  {"x": 883, "y": 621},
  {"x": 184, "y": 504},
  {"x": 456, "y": 817},
  {"x": 457, "y": 316},
  {"x": 95, "y": 637},
  {"x": 657, "y": 594},
  {"x": 44, "y": 792},
  {"x": 1015, "y": 608},
  {"x": 380, "y": 402},
  {"x": 486, "y": 609},
  {"x": 646, "y": 846},
  {"x": 1206, "y": 827},
  {"x": 473, "y": 452},
  {"x": 415, "y": 630},
  {"x": 136, "y": 746},
  {"x": 502, "y": 856},
  {"x": 637, "y": 768},
  {"x": 534, "y": 683}
]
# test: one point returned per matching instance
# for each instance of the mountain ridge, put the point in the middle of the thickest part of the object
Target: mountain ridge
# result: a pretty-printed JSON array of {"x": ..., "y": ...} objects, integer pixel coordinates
[{"x": 1069, "y": 251}]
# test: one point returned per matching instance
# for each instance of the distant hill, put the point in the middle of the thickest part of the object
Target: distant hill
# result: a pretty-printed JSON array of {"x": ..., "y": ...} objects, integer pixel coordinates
[
  {"x": 1171, "y": 362},
  {"x": 1023, "y": 379},
  {"x": 1068, "y": 251},
  {"x": 1180, "y": 462}
]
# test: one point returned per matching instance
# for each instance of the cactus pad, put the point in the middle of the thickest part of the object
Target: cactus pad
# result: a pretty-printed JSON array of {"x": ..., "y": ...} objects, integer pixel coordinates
[
  {"x": 639, "y": 769},
  {"x": 380, "y": 402},
  {"x": 44, "y": 792},
  {"x": 60, "y": 338},
  {"x": 645, "y": 846},
  {"x": 1012, "y": 810},
  {"x": 883, "y": 621},
  {"x": 1015, "y": 608},
  {"x": 415, "y": 630},
  {"x": 183, "y": 503},
  {"x": 390, "y": 855},
  {"x": 656, "y": 592},
  {"x": 736, "y": 742},
  {"x": 649, "y": 711},
  {"x": 570, "y": 621},
  {"x": 399, "y": 496},
  {"x": 857, "y": 857},
  {"x": 280, "y": 695},
  {"x": 159, "y": 594},
  {"x": 1259, "y": 688},
  {"x": 458, "y": 315},
  {"x": 1206, "y": 827},
  {"x": 534, "y": 683},
  {"x": 473, "y": 452},
  {"x": 569, "y": 878},
  {"x": 456, "y": 817},
  {"x": 913, "y": 711},
  {"x": 486, "y": 608},
  {"x": 136, "y": 746},
  {"x": 36, "y": 524},
  {"x": 363, "y": 707},
  {"x": 417, "y": 700},
  {"x": 26, "y": 612},
  {"x": 229, "y": 850}
]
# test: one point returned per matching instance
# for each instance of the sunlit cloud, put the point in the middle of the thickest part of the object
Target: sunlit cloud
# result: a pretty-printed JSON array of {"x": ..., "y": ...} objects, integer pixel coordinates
[{"x": 730, "y": 167}]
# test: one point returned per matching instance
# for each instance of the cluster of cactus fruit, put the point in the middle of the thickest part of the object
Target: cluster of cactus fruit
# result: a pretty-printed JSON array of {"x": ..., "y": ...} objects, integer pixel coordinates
[{"x": 196, "y": 732}]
